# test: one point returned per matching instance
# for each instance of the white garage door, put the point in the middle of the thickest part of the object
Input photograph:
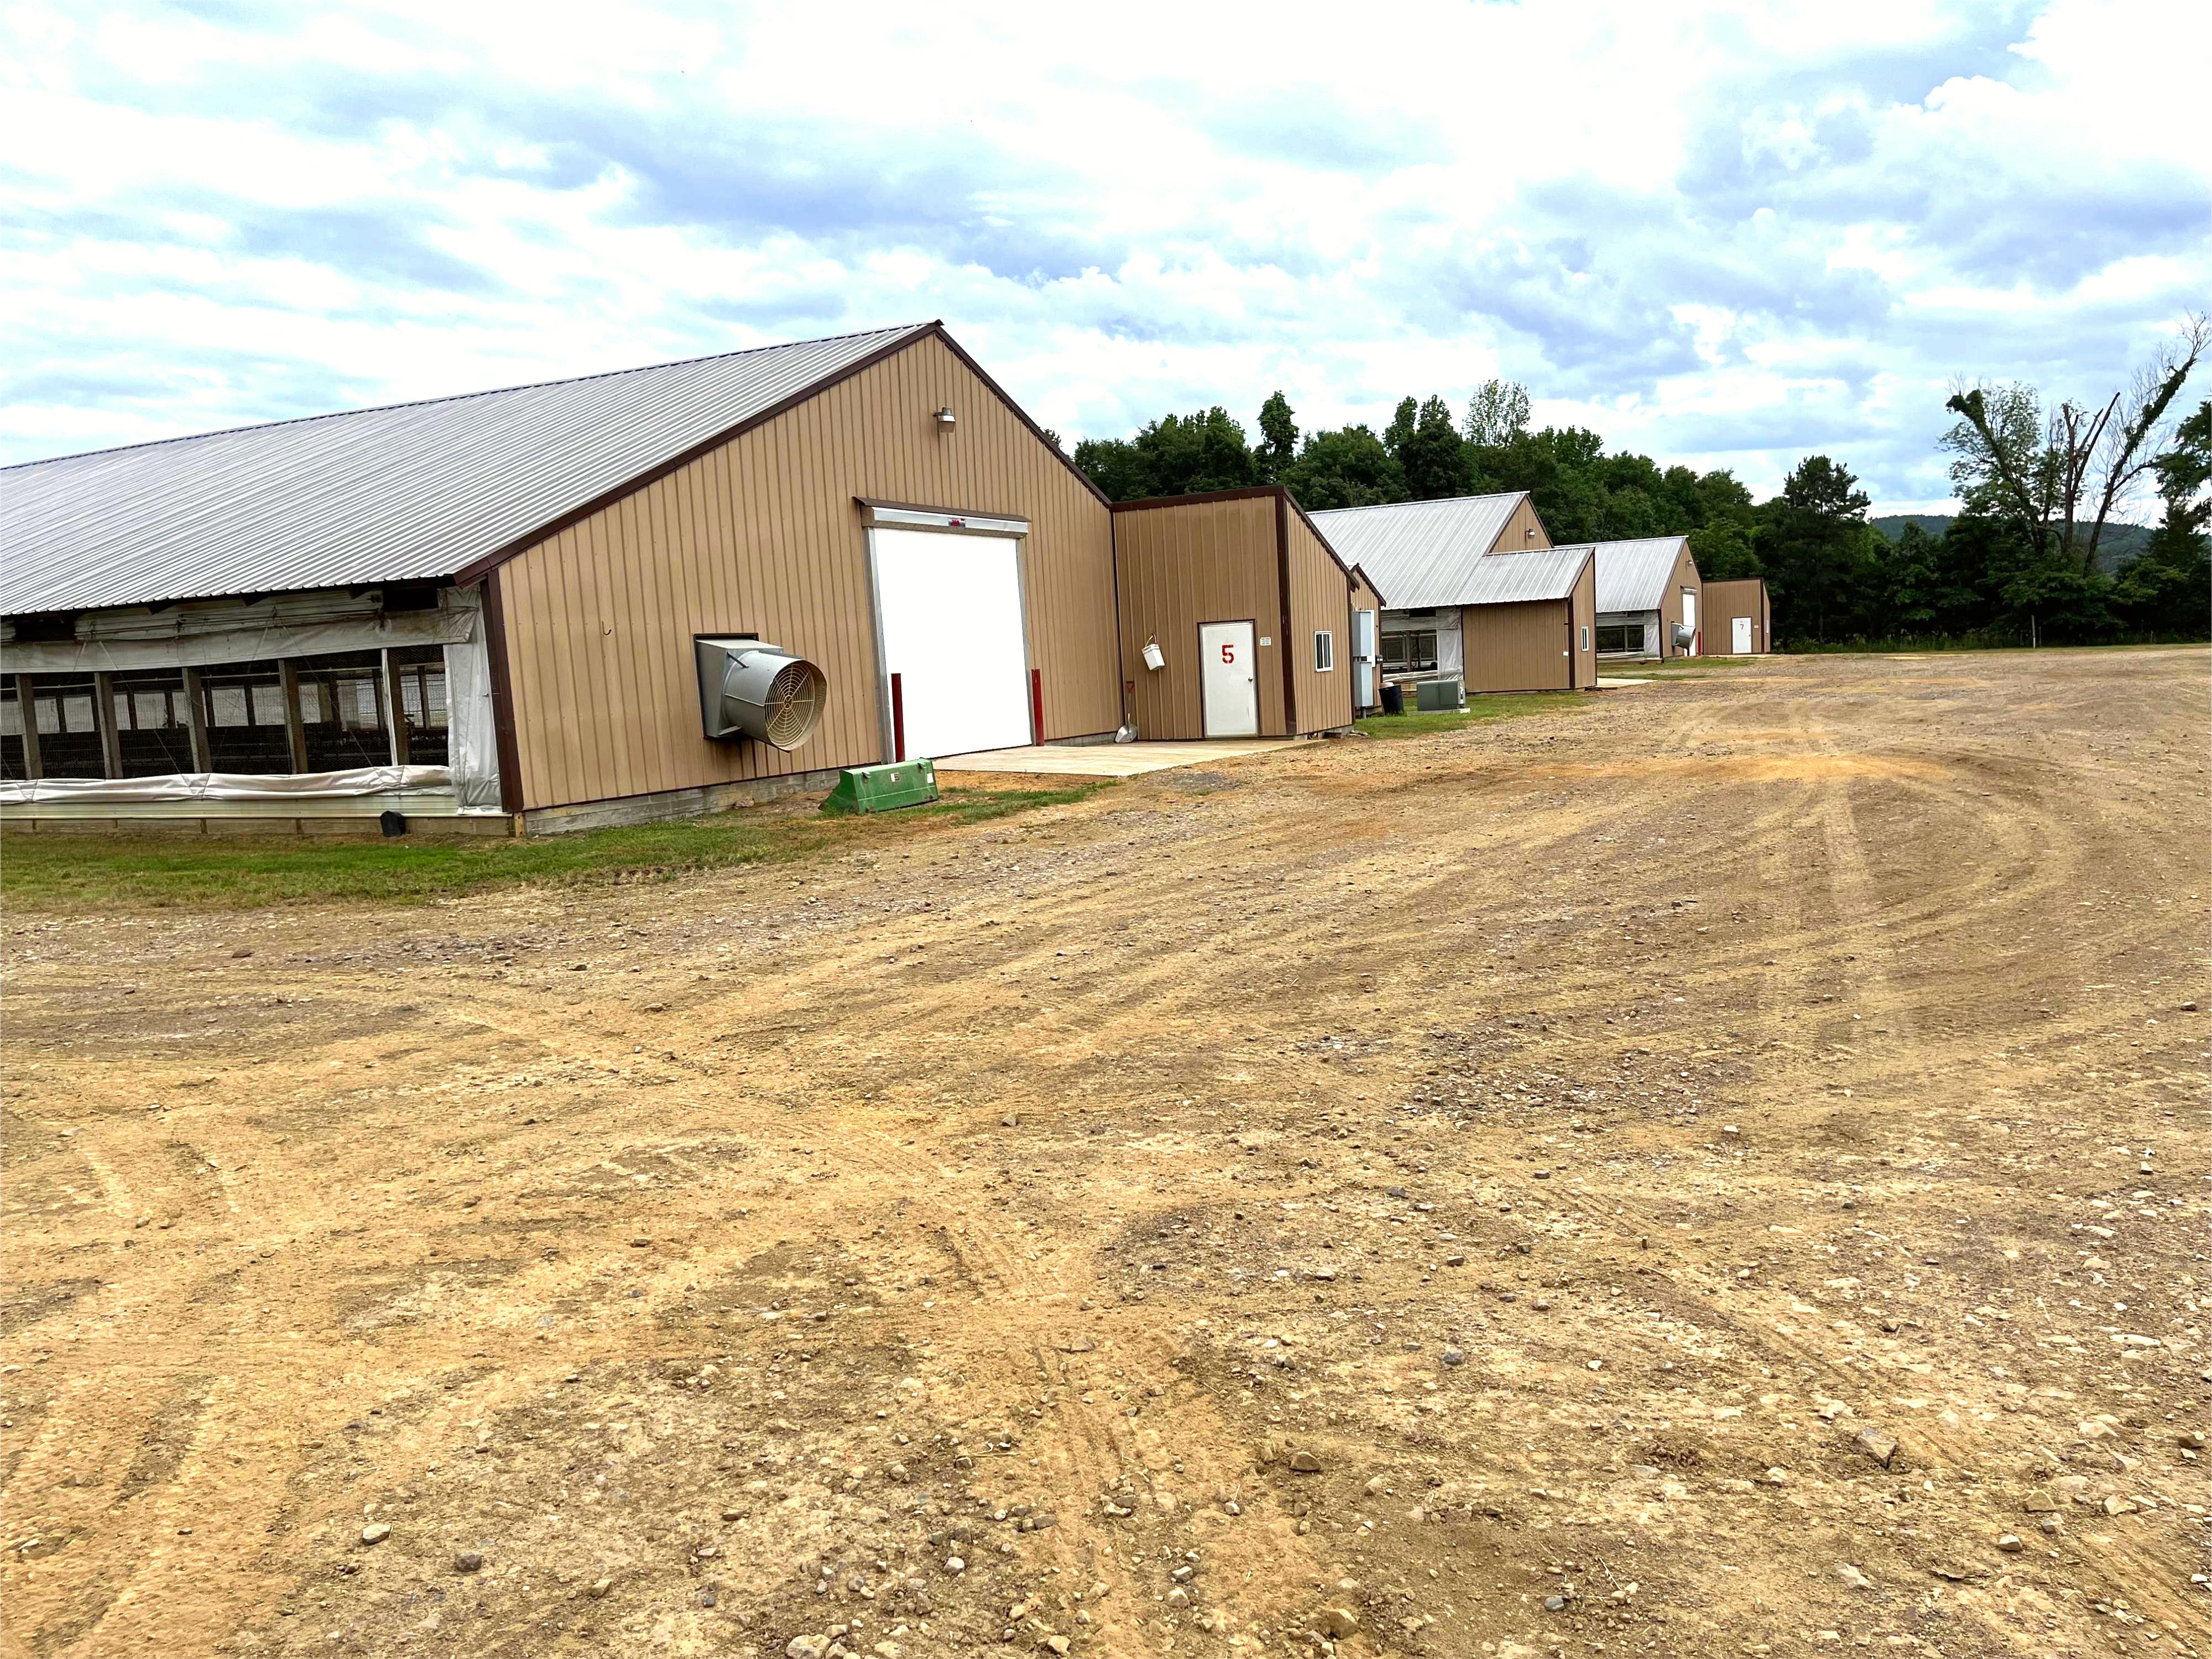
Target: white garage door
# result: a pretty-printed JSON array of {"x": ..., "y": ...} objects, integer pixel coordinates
[{"x": 951, "y": 608}]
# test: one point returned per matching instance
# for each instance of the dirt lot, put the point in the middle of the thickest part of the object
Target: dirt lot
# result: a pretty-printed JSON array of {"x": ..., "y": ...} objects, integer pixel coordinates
[{"x": 1497, "y": 1193}]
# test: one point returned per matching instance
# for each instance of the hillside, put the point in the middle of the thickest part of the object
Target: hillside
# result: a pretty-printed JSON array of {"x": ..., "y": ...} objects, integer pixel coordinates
[{"x": 2120, "y": 543}]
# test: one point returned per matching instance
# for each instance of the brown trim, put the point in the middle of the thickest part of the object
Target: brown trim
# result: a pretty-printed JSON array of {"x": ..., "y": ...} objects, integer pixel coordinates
[
  {"x": 1288, "y": 628},
  {"x": 195, "y": 722},
  {"x": 1015, "y": 409},
  {"x": 26, "y": 704},
  {"x": 479, "y": 568},
  {"x": 295, "y": 730},
  {"x": 395, "y": 722},
  {"x": 503, "y": 698},
  {"x": 947, "y": 512},
  {"x": 1306, "y": 520},
  {"x": 898, "y": 719},
  {"x": 103, "y": 719},
  {"x": 1242, "y": 493}
]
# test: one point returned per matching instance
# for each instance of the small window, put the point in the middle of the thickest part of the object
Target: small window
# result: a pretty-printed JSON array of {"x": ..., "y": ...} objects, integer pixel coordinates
[
  {"x": 1324, "y": 651},
  {"x": 1585, "y": 636}
]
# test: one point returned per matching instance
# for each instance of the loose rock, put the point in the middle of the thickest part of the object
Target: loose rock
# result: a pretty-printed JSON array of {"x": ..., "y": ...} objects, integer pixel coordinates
[{"x": 1875, "y": 1444}]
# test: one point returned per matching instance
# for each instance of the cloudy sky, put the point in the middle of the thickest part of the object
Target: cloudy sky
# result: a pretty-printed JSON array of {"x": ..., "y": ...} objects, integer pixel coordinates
[{"x": 1727, "y": 234}]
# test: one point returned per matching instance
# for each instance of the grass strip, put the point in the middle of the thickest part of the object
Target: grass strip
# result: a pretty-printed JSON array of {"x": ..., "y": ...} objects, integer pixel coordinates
[
  {"x": 1482, "y": 709},
  {"x": 49, "y": 872}
]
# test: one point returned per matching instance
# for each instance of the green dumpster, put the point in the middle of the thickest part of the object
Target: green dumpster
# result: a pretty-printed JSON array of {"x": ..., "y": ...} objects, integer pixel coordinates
[{"x": 879, "y": 788}]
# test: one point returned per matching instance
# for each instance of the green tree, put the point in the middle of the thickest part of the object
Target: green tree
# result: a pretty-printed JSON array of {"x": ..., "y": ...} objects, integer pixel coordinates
[
  {"x": 1430, "y": 452},
  {"x": 1279, "y": 438},
  {"x": 1175, "y": 455},
  {"x": 1348, "y": 467},
  {"x": 1496, "y": 414},
  {"x": 1818, "y": 550},
  {"x": 1558, "y": 468},
  {"x": 2060, "y": 480},
  {"x": 1722, "y": 523},
  {"x": 1910, "y": 580},
  {"x": 2168, "y": 590},
  {"x": 1403, "y": 422}
]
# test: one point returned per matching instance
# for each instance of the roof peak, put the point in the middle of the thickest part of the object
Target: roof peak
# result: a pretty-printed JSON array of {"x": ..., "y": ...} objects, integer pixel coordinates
[
  {"x": 892, "y": 331},
  {"x": 1432, "y": 501}
]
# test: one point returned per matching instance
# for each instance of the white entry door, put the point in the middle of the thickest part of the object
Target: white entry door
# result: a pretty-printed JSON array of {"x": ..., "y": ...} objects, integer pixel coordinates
[
  {"x": 1690, "y": 618},
  {"x": 953, "y": 644},
  {"x": 1229, "y": 679},
  {"x": 1363, "y": 658},
  {"x": 1740, "y": 636}
]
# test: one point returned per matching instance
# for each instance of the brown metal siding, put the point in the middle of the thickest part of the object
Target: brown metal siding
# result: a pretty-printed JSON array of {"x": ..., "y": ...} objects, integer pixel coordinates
[
  {"x": 1320, "y": 599},
  {"x": 761, "y": 535},
  {"x": 1514, "y": 538},
  {"x": 1684, "y": 575},
  {"x": 1183, "y": 564},
  {"x": 1746, "y": 597},
  {"x": 1515, "y": 647}
]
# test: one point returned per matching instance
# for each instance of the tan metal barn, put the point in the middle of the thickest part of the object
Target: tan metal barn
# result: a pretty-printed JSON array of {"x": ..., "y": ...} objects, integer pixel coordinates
[
  {"x": 1478, "y": 594},
  {"x": 1738, "y": 617},
  {"x": 493, "y": 611},
  {"x": 1649, "y": 599},
  {"x": 1527, "y": 622},
  {"x": 1237, "y": 617}
]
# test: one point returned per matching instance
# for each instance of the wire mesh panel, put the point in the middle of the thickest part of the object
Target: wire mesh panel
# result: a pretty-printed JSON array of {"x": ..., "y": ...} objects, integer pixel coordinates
[
  {"x": 420, "y": 673},
  {"x": 13, "y": 763},
  {"x": 69, "y": 726},
  {"x": 152, "y": 724},
  {"x": 342, "y": 710},
  {"x": 245, "y": 704}
]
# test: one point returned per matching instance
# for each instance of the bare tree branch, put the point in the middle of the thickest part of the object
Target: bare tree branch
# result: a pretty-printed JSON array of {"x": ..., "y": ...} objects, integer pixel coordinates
[{"x": 2137, "y": 443}]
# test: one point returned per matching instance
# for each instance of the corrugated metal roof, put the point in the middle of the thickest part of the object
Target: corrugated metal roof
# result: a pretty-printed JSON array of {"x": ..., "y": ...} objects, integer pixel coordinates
[
  {"x": 1543, "y": 573},
  {"x": 1632, "y": 575},
  {"x": 409, "y": 492},
  {"x": 1421, "y": 553}
]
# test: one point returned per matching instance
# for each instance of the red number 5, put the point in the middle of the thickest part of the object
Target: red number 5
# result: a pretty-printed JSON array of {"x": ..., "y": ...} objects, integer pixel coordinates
[{"x": 1228, "y": 652}]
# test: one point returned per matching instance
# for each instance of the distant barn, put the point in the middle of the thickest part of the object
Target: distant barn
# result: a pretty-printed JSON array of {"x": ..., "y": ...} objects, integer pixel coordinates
[{"x": 1477, "y": 592}]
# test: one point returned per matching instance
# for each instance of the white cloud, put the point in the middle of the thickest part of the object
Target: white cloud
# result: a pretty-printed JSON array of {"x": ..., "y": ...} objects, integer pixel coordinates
[{"x": 1724, "y": 234}]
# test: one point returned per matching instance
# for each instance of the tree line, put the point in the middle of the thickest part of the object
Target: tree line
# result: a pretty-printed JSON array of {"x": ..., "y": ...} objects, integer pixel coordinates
[{"x": 2031, "y": 558}]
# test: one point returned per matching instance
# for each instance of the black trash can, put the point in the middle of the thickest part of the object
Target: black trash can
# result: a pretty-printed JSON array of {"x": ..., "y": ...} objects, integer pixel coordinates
[{"x": 1394, "y": 699}]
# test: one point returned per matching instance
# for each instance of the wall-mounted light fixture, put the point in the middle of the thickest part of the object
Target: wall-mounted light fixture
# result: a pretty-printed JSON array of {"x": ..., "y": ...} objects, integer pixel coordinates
[{"x": 945, "y": 417}]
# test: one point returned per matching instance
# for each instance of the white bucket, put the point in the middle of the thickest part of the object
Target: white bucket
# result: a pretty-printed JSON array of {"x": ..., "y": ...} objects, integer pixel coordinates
[{"x": 1155, "y": 658}]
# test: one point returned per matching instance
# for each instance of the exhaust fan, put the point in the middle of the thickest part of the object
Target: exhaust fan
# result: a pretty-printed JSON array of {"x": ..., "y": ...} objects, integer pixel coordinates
[
  {"x": 1685, "y": 636},
  {"x": 751, "y": 688}
]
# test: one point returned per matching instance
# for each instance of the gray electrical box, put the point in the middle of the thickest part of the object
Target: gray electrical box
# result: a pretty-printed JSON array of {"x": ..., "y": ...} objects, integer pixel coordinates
[
  {"x": 1435, "y": 696},
  {"x": 751, "y": 688}
]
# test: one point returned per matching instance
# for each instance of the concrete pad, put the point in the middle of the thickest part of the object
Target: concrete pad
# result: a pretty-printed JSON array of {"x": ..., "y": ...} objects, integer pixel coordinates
[
  {"x": 1106, "y": 760},
  {"x": 1605, "y": 685}
]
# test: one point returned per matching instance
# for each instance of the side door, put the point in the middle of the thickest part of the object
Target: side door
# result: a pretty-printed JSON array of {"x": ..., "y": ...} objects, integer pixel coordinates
[
  {"x": 1740, "y": 636},
  {"x": 1229, "y": 679}
]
